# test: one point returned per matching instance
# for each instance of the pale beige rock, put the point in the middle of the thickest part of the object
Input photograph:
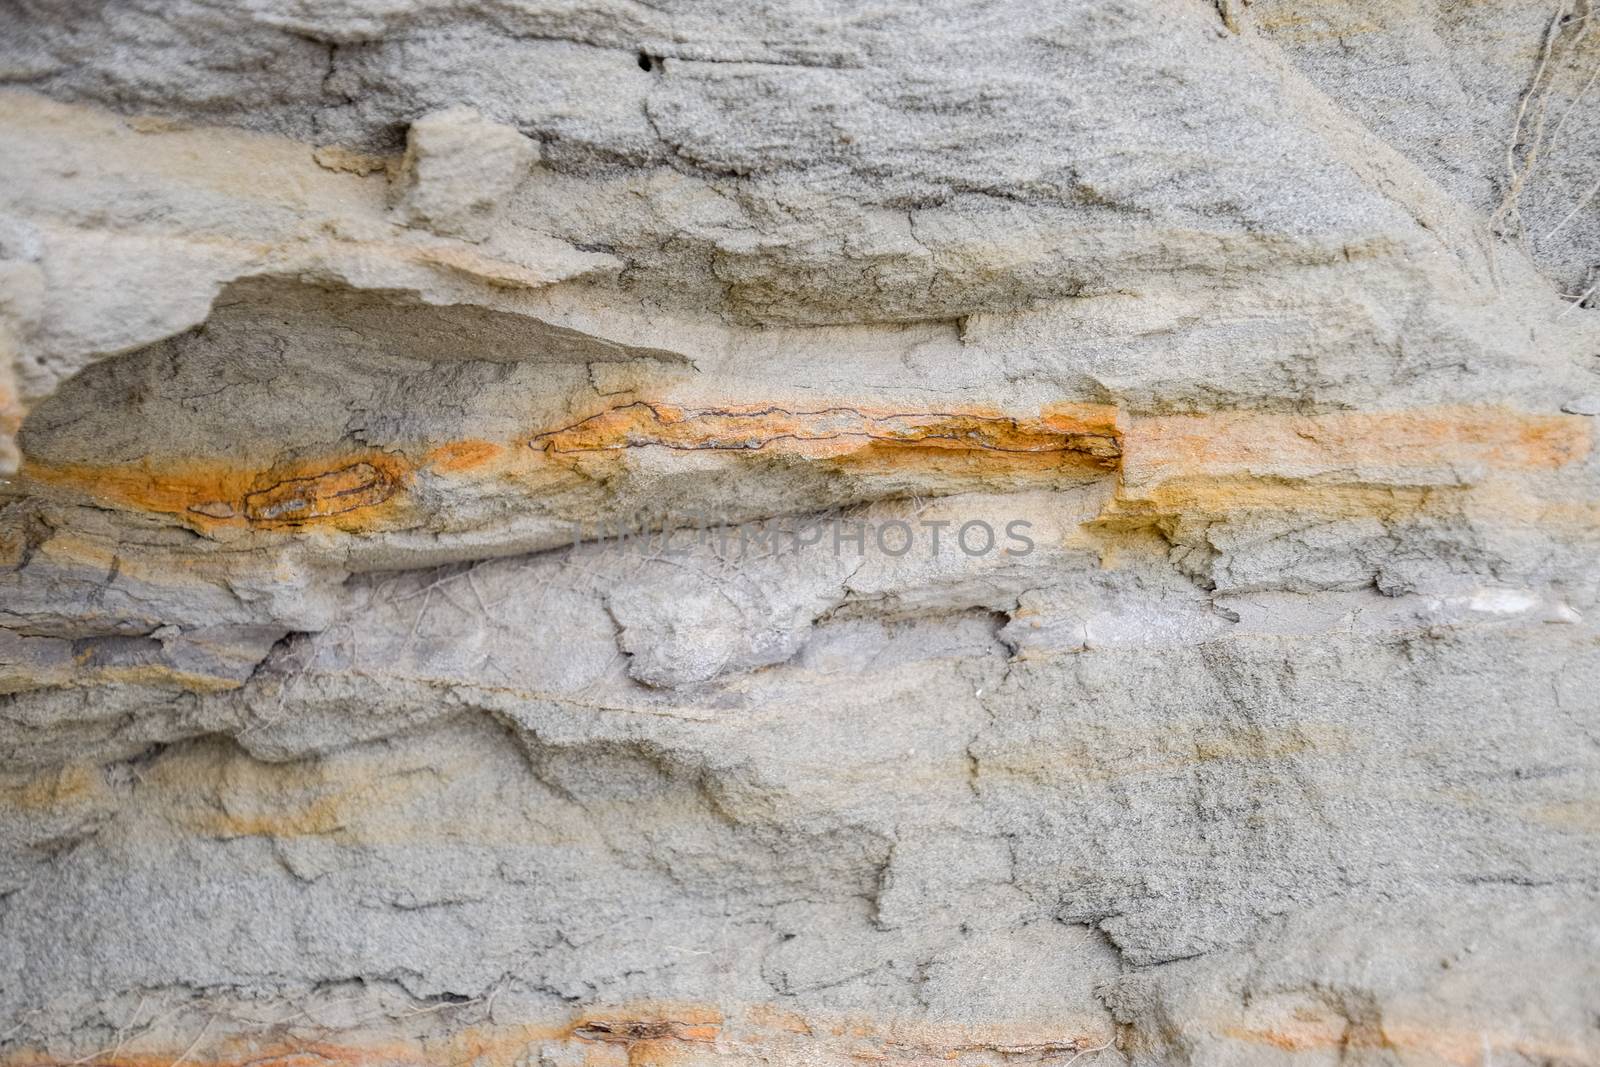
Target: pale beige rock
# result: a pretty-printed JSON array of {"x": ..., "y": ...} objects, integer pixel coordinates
[
  {"x": 776, "y": 533},
  {"x": 457, "y": 171}
]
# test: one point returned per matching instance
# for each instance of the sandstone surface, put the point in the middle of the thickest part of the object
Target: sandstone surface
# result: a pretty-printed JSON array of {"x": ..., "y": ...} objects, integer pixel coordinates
[{"x": 540, "y": 533}]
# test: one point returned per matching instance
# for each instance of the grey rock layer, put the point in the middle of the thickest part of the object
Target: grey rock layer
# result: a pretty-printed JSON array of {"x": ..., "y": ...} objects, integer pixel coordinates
[{"x": 799, "y": 533}]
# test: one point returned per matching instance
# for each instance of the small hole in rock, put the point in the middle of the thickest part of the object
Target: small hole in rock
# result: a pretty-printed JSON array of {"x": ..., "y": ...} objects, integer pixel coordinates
[{"x": 645, "y": 62}]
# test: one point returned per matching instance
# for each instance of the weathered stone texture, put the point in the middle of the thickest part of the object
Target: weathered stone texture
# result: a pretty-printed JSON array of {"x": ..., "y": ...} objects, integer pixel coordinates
[{"x": 1260, "y": 336}]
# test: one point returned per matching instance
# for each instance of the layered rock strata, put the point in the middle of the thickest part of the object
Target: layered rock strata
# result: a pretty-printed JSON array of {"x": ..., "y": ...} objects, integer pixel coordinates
[{"x": 791, "y": 533}]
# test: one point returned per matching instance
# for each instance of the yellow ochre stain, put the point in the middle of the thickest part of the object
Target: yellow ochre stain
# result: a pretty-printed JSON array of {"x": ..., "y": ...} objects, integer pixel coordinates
[
  {"x": 1089, "y": 432},
  {"x": 1380, "y": 464},
  {"x": 313, "y": 492},
  {"x": 655, "y": 1033}
]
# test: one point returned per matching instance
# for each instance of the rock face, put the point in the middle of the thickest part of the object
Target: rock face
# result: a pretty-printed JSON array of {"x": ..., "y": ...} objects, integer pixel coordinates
[{"x": 784, "y": 532}]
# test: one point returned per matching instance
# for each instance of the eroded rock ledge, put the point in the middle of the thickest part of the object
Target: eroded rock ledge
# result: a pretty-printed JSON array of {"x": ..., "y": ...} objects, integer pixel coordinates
[{"x": 773, "y": 534}]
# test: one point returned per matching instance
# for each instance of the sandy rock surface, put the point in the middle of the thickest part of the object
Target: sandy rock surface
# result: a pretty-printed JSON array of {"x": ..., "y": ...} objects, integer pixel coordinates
[{"x": 610, "y": 534}]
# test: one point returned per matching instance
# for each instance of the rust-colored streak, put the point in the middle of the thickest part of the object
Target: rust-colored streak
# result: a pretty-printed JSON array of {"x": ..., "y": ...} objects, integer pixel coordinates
[
  {"x": 1088, "y": 433},
  {"x": 465, "y": 455},
  {"x": 648, "y": 1034},
  {"x": 1460, "y": 1045},
  {"x": 639, "y": 1035},
  {"x": 700, "y": 1025},
  {"x": 298, "y": 500},
  {"x": 1384, "y": 465},
  {"x": 339, "y": 491},
  {"x": 1318, "y": 444}
]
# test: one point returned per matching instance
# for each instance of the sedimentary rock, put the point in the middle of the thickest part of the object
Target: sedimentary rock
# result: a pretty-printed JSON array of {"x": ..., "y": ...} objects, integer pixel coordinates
[{"x": 799, "y": 533}]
